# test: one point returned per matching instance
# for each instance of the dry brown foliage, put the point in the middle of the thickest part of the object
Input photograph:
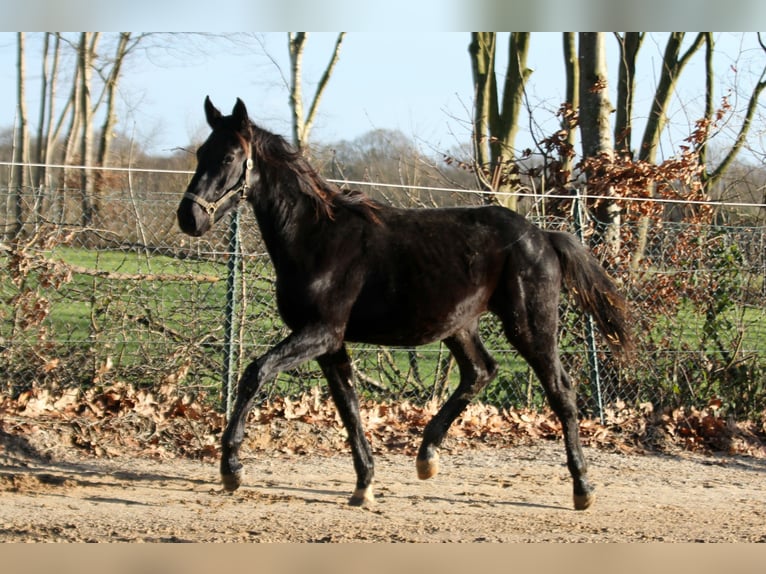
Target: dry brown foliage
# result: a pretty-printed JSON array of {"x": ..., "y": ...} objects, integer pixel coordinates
[{"x": 123, "y": 420}]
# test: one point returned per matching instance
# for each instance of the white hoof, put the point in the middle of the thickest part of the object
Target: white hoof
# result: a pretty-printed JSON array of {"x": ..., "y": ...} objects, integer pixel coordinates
[{"x": 362, "y": 497}]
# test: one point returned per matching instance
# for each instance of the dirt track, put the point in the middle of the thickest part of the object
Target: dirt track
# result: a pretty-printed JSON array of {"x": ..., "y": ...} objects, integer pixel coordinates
[{"x": 521, "y": 493}]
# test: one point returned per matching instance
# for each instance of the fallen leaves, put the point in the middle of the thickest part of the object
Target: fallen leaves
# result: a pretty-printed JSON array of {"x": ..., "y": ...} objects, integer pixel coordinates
[
  {"x": 121, "y": 419},
  {"x": 118, "y": 419}
]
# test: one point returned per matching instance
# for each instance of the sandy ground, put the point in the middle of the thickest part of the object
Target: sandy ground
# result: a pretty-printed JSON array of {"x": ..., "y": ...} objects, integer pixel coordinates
[{"x": 511, "y": 494}]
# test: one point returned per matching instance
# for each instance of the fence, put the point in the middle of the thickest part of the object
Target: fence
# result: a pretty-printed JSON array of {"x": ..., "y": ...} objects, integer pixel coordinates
[{"x": 126, "y": 296}]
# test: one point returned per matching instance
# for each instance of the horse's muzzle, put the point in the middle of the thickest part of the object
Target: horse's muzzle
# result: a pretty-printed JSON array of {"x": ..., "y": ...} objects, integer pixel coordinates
[{"x": 192, "y": 220}]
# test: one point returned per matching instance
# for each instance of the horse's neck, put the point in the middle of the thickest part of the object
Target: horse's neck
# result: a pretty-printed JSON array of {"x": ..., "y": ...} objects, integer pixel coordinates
[{"x": 282, "y": 217}]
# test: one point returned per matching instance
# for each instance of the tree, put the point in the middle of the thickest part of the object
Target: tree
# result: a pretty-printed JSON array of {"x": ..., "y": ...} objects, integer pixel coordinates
[
  {"x": 495, "y": 122},
  {"x": 85, "y": 55},
  {"x": 303, "y": 122},
  {"x": 595, "y": 110},
  {"x": 94, "y": 82},
  {"x": 629, "y": 44},
  {"x": 673, "y": 64},
  {"x": 712, "y": 176},
  {"x": 47, "y": 131},
  {"x": 571, "y": 105},
  {"x": 20, "y": 179},
  {"x": 111, "y": 74}
]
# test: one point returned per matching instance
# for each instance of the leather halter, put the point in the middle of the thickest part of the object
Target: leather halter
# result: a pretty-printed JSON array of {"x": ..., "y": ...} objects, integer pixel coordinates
[{"x": 211, "y": 207}]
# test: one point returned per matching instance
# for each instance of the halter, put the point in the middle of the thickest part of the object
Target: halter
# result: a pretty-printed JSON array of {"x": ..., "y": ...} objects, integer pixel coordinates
[{"x": 211, "y": 208}]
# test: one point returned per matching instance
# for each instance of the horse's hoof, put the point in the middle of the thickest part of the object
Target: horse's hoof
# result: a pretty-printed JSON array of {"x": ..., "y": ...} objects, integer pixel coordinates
[
  {"x": 232, "y": 482},
  {"x": 362, "y": 497},
  {"x": 583, "y": 501},
  {"x": 427, "y": 468}
]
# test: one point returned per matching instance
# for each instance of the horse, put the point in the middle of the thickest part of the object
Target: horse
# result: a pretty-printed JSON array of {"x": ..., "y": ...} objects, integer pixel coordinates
[{"x": 352, "y": 269}]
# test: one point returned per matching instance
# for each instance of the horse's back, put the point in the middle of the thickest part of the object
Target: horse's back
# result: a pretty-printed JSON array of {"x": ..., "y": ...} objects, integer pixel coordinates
[{"x": 428, "y": 272}]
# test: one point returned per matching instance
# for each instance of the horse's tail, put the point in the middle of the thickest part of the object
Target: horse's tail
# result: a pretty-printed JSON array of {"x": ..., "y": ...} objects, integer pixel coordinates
[{"x": 593, "y": 290}]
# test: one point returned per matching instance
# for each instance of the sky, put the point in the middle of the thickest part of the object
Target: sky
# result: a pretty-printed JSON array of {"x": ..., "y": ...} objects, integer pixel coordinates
[{"x": 419, "y": 83}]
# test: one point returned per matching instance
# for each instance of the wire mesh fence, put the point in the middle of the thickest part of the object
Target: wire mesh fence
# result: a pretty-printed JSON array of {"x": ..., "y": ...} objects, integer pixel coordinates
[{"x": 125, "y": 296}]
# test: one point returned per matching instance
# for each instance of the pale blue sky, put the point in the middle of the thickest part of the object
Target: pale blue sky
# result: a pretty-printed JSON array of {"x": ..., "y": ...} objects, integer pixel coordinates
[{"x": 419, "y": 83}]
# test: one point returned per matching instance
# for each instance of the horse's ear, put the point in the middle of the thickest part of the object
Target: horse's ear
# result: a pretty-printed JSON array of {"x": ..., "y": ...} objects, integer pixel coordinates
[
  {"x": 239, "y": 113},
  {"x": 211, "y": 113}
]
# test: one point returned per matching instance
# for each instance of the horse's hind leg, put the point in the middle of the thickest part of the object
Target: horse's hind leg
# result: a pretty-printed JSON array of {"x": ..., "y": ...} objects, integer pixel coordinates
[
  {"x": 562, "y": 398},
  {"x": 477, "y": 369},
  {"x": 533, "y": 331},
  {"x": 337, "y": 369}
]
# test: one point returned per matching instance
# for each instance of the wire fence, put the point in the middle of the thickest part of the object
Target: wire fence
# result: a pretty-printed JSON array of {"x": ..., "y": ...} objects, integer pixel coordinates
[{"x": 125, "y": 296}]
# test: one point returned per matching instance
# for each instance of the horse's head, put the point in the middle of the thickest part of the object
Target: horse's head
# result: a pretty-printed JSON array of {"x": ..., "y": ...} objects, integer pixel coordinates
[{"x": 224, "y": 172}]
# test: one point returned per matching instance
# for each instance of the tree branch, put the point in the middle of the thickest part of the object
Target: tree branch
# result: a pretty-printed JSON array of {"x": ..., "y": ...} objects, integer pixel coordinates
[{"x": 309, "y": 121}]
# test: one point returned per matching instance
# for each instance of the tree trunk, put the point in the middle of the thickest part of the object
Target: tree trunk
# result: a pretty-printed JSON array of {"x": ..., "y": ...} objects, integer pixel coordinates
[
  {"x": 296, "y": 44},
  {"x": 629, "y": 43},
  {"x": 672, "y": 66},
  {"x": 20, "y": 180},
  {"x": 45, "y": 80},
  {"x": 495, "y": 126},
  {"x": 88, "y": 42},
  {"x": 110, "y": 117},
  {"x": 516, "y": 78},
  {"x": 709, "y": 91},
  {"x": 595, "y": 109},
  {"x": 572, "y": 71},
  {"x": 73, "y": 112},
  {"x": 482, "y": 53},
  {"x": 51, "y": 136}
]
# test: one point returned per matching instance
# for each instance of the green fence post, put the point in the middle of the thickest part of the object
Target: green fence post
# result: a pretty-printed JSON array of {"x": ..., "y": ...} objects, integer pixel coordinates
[{"x": 230, "y": 374}]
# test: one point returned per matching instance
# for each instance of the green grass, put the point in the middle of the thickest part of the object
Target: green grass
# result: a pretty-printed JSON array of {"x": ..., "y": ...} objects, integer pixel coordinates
[
  {"x": 685, "y": 329},
  {"x": 84, "y": 302}
]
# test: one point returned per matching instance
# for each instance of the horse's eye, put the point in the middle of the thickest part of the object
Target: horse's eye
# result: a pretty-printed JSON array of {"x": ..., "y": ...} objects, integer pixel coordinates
[{"x": 228, "y": 158}]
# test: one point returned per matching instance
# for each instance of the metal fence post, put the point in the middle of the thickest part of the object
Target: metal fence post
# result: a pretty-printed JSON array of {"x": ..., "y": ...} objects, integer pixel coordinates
[
  {"x": 230, "y": 374},
  {"x": 590, "y": 331}
]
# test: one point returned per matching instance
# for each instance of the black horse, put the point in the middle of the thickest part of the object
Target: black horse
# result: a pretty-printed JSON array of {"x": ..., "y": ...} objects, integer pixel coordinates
[{"x": 351, "y": 269}]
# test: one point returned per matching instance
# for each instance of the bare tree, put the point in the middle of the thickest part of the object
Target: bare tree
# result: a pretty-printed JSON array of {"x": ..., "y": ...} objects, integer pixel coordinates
[
  {"x": 568, "y": 121},
  {"x": 672, "y": 64},
  {"x": 111, "y": 82},
  {"x": 595, "y": 109},
  {"x": 303, "y": 122},
  {"x": 20, "y": 179},
  {"x": 495, "y": 122},
  {"x": 111, "y": 74},
  {"x": 45, "y": 82},
  {"x": 712, "y": 176},
  {"x": 629, "y": 43},
  {"x": 85, "y": 56}
]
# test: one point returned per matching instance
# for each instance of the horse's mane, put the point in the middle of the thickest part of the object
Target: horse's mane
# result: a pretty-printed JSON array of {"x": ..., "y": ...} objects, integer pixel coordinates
[{"x": 274, "y": 151}]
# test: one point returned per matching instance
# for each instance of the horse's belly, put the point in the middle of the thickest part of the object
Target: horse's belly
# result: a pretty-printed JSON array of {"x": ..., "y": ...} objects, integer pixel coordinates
[{"x": 415, "y": 320}]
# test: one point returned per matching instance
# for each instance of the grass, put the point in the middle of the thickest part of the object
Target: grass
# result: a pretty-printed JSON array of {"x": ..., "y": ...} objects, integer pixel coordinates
[
  {"x": 82, "y": 304},
  {"x": 686, "y": 328}
]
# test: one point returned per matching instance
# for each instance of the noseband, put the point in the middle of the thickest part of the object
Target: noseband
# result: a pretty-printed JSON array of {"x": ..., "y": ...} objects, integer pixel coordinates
[{"x": 211, "y": 207}]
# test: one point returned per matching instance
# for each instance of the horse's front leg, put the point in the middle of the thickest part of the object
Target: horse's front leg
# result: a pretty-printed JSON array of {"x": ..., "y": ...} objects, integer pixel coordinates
[
  {"x": 296, "y": 349},
  {"x": 247, "y": 389}
]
